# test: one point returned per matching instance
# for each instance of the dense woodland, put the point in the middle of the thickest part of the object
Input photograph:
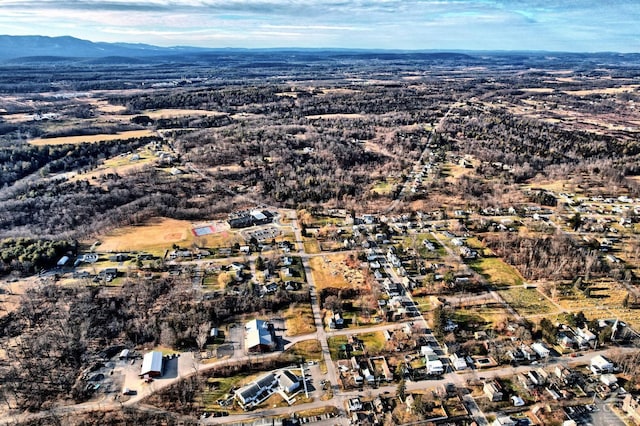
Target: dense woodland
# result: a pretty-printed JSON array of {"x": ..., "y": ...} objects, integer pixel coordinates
[
  {"x": 316, "y": 142},
  {"x": 65, "y": 331}
]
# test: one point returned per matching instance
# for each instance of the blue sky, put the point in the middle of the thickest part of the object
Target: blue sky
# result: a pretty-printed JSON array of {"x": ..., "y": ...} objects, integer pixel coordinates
[{"x": 564, "y": 25}]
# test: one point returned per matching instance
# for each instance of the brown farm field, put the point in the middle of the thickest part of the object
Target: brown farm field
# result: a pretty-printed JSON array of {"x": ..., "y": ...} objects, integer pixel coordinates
[
  {"x": 328, "y": 271},
  {"x": 156, "y": 236},
  {"x": 91, "y": 138},
  {"x": 159, "y": 234}
]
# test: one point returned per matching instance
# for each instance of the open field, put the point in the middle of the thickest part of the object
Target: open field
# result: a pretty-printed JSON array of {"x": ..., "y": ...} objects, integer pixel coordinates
[
  {"x": 328, "y": 271},
  {"x": 384, "y": 187},
  {"x": 496, "y": 271},
  {"x": 155, "y": 236},
  {"x": 219, "y": 388},
  {"x": 527, "y": 301},
  {"x": 307, "y": 349},
  {"x": 605, "y": 300},
  {"x": 158, "y": 235},
  {"x": 299, "y": 320},
  {"x": 92, "y": 138},
  {"x": 480, "y": 315},
  {"x": 311, "y": 245}
]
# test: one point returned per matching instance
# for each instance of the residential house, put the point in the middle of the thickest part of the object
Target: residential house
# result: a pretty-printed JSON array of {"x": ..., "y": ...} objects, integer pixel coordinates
[
  {"x": 458, "y": 362},
  {"x": 354, "y": 404},
  {"x": 517, "y": 401},
  {"x": 609, "y": 379},
  {"x": 493, "y": 390},
  {"x": 541, "y": 349},
  {"x": 433, "y": 363},
  {"x": 585, "y": 338}
]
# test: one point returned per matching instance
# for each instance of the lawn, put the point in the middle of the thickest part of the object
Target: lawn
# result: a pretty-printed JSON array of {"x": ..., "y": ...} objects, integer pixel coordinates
[
  {"x": 373, "y": 344},
  {"x": 527, "y": 301},
  {"x": 424, "y": 304},
  {"x": 311, "y": 245},
  {"x": 497, "y": 272},
  {"x": 299, "y": 320},
  {"x": 335, "y": 342},
  {"x": 480, "y": 315},
  {"x": 385, "y": 187},
  {"x": 220, "y": 388},
  {"x": 309, "y": 350}
]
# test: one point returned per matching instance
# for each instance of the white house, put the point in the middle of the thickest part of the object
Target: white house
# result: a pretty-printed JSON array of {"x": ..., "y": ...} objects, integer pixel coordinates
[
  {"x": 457, "y": 362},
  {"x": 600, "y": 365},
  {"x": 608, "y": 379},
  {"x": 433, "y": 363},
  {"x": 540, "y": 349},
  {"x": 354, "y": 404},
  {"x": 517, "y": 401}
]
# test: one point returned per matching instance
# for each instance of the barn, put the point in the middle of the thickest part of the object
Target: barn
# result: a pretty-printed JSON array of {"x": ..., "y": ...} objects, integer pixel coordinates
[{"x": 152, "y": 364}]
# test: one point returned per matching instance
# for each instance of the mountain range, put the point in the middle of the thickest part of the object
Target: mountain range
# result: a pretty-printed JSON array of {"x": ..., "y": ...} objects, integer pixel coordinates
[{"x": 45, "y": 49}]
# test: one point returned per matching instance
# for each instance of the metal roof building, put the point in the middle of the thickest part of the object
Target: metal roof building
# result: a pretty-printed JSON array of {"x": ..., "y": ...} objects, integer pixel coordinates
[
  {"x": 259, "y": 336},
  {"x": 152, "y": 364}
]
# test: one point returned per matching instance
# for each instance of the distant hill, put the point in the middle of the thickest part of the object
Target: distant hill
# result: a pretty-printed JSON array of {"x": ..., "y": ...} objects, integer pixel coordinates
[
  {"x": 13, "y": 47},
  {"x": 42, "y": 50}
]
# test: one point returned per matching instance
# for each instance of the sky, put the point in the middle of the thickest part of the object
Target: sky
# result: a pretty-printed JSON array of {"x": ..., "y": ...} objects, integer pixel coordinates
[{"x": 554, "y": 25}]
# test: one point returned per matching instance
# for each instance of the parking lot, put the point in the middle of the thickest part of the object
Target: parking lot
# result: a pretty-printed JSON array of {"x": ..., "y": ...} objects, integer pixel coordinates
[{"x": 263, "y": 234}]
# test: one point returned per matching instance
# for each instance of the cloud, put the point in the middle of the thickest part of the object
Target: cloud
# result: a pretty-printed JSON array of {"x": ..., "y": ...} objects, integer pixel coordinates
[{"x": 411, "y": 24}]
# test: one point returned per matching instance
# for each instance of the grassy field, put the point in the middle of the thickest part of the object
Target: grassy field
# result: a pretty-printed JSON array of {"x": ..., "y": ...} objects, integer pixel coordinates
[
  {"x": 497, "y": 272},
  {"x": 91, "y": 138},
  {"x": 328, "y": 271},
  {"x": 307, "y": 349},
  {"x": 299, "y": 320},
  {"x": 220, "y": 388},
  {"x": 159, "y": 235},
  {"x": 605, "y": 300},
  {"x": 385, "y": 187},
  {"x": 424, "y": 303},
  {"x": 373, "y": 342},
  {"x": 311, "y": 245},
  {"x": 480, "y": 315},
  {"x": 334, "y": 345},
  {"x": 527, "y": 301}
]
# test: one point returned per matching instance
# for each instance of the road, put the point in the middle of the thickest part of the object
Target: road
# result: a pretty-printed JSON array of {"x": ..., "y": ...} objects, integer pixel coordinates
[{"x": 321, "y": 335}]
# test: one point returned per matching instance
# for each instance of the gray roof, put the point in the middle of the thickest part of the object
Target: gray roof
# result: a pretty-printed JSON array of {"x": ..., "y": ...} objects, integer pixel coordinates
[{"x": 288, "y": 379}]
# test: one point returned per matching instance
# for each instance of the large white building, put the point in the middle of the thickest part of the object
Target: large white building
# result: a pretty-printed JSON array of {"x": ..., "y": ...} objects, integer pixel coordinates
[
  {"x": 259, "y": 336},
  {"x": 600, "y": 365}
]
